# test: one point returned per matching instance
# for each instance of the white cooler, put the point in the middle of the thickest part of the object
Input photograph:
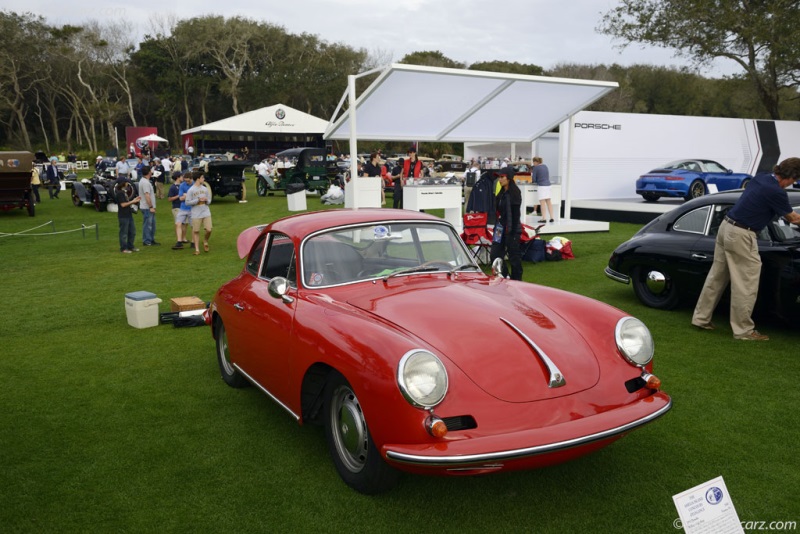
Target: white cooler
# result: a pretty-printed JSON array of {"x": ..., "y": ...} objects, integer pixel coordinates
[
  {"x": 297, "y": 201},
  {"x": 141, "y": 307}
]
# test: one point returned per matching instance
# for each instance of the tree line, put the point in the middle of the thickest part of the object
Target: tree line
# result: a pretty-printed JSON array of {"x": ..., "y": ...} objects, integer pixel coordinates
[{"x": 72, "y": 87}]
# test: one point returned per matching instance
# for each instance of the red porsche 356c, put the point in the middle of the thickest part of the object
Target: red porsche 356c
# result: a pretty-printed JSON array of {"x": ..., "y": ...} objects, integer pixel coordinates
[{"x": 379, "y": 325}]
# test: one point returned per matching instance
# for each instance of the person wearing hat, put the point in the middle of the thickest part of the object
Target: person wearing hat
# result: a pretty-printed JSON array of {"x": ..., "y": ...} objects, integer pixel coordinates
[
  {"x": 508, "y": 229},
  {"x": 99, "y": 165},
  {"x": 53, "y": 179},
  {"x": 127, "y": 226}
]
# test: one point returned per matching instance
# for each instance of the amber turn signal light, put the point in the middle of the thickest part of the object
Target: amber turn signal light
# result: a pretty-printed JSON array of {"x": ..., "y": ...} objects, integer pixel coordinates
[
  {"x": 652, "y": 381},
  {"x": 435, "y": 427}
]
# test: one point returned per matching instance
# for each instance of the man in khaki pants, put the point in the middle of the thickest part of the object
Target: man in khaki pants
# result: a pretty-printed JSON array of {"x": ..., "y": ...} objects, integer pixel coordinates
[{"x": 736, "y": 258}]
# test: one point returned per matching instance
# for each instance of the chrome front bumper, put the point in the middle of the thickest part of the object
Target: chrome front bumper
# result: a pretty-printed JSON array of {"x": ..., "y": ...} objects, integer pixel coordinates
[{"x": 619, "y": 277}]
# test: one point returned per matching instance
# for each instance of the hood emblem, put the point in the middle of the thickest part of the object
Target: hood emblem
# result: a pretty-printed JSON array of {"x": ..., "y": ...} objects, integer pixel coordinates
[{"x": 556, "y": 379}]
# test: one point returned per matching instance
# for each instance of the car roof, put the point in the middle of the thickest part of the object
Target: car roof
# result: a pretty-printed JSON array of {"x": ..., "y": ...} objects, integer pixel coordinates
[{"x": 306, "y": 223}]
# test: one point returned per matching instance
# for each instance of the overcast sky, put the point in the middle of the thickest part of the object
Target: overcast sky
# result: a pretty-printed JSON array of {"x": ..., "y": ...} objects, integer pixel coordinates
[{"x": 542, "y": 32}]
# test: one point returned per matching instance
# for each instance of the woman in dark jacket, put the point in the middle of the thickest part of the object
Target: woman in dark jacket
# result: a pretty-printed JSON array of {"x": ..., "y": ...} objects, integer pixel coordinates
[{"x": 509, "y": 225}]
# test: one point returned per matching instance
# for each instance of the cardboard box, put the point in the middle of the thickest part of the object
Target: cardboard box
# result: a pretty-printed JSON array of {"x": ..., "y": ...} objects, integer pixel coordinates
[{"x": 179, "y": 304}]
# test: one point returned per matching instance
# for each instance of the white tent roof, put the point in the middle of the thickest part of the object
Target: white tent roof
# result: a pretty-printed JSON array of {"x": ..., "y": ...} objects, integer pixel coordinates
[
  {"x": 410, "y": 102},
  {"x": 277, "y": 119}
]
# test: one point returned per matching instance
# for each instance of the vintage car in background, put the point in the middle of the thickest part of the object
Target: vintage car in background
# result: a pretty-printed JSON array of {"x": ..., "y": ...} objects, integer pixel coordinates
[
  {"x": 688, "y": 179},
  {"x": 378, "y": 324},
  {"x": 450, "y": 163},
  {"x": 227, "y": 177},
  {"x": 308, "y": 167},
  {"x": 15, "y": 182},
  {"x": 668, "y": 259}
]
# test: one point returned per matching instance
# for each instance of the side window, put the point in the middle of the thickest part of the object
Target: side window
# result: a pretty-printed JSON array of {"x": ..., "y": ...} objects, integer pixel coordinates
[
  {"x": 718, "y": 216},
  {"x": 693, "y": 222},
  {"x": 254, "y": 259},
  {"x": 279, "y": 260}
]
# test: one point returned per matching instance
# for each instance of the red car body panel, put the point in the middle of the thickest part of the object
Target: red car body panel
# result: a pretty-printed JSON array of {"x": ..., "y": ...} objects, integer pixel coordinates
[{"x": 363, "y": 329}]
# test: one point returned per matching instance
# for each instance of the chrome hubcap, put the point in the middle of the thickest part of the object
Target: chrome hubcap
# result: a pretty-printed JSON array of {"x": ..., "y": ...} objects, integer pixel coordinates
[
  {"x": 350, "y": 429},
  {"x": 656, "y": 282}
]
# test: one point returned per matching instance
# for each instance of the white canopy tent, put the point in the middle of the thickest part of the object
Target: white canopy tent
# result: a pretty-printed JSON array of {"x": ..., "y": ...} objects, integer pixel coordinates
[
  {"x": 414, "y": 103},
  {"x": 277, "y": 119}
]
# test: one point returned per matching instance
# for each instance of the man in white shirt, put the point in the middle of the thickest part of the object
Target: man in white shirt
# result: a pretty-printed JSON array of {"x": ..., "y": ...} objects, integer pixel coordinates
[
  {"x": 198, "y": 197},
  {"x": 264, "y": 170},
  {"x": 471, "y": 175},
  {"x": 122, "y": 168}
]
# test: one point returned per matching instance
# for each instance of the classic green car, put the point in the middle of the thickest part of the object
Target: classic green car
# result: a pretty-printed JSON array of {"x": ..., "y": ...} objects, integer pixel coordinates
[{"x": 303, "y": 166}]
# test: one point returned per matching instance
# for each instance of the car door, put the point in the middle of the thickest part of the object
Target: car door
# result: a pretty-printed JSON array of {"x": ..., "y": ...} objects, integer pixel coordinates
[
  {"x": 698, "y": 228},
  {"x": 266, "y": 322}
]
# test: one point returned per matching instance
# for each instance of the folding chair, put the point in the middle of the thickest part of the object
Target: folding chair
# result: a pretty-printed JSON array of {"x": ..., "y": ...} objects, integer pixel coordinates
[{"x": 477, "y": 236}]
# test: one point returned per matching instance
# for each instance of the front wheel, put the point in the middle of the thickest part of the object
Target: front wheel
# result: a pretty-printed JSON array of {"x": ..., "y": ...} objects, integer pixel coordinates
[
  {"x": 230, "y": 375},
  {"x": 655, "y": 288},
  {"x": 354, "y": 455},
  {"x": 76, "y": 200},
  {"x": 696, "y": 190}
]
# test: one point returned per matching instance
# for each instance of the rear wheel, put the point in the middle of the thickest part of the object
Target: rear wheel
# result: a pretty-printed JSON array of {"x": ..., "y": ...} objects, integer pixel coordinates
[
  {"x": 99, "y": 204},
  {"x": 650, "y": 197},
  {"x": 31, "y": 205},
  {"x": 696, "y": 190},
  {"x": 745, "y": 182},
  {"x": 76, "y": 200},
  {"x": 261, "y": 187},
  {"x": 230, "y": 375},
  {"x": 655, "y": 288},
  {"x": 357, "y": 460}
]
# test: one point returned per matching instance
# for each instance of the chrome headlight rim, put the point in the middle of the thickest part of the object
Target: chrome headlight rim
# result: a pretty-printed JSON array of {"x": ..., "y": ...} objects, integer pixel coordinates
[
  {"x": 622, "y": 330},
  {"x": 406, "y": 364}
]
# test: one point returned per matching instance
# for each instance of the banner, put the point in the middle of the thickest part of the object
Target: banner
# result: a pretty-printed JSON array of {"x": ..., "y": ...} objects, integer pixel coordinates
[
  {"x": 188, "y": 144},
  {"x": 132, "y": 133}
]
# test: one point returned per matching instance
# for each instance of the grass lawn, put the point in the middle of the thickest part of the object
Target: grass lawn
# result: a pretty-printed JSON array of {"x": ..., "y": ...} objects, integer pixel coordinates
[{"x": 107, "y": 428}]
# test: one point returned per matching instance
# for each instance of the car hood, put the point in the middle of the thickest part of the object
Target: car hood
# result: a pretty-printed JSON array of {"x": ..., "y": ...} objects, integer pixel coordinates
[{"x": 462, "y": 321}]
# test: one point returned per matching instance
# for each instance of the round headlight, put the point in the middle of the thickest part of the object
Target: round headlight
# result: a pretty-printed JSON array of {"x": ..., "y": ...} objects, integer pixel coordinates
[
  {"x": 422, "y": 378},
  {"x": 634, "y": 341}
]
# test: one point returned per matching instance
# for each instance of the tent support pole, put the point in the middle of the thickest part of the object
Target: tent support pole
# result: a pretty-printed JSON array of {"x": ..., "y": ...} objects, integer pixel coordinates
[
  {"x": 568, "y": 173},
  {"x": 351, "y": 86}
]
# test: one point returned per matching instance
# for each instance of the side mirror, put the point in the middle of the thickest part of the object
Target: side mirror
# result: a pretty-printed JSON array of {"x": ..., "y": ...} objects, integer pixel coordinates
[
  {"x": 497, "y": 267},
  {"x": 278, "y": 287}
]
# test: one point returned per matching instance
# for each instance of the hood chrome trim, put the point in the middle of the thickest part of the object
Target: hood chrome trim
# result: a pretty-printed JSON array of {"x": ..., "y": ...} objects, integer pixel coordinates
[{"x": 557, "y": 378}]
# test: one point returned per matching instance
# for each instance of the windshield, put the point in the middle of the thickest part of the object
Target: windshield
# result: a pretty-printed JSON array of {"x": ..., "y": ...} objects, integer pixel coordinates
[
  {"x": 783, "y": 230},
  {"x": 352, "y": 254}
]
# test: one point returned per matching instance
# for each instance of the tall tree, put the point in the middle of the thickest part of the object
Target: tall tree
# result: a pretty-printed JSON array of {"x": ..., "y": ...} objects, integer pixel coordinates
[
  {"x": 21, "y": 36},
  {"x": 431, "y": 59},
  {"x": 759, "y": 35}
]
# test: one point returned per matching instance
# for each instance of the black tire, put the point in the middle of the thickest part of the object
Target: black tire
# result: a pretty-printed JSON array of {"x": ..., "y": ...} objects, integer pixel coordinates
[
  {"x": 696, "y": 190},
  {"x": 650, "y": 197},
  {"x": 655, "y": 288},
  {"x": 76, "y": 200},
  {"x": 31, "y": 204},
  {"x": 354, "y": 455},
  {"x": 230, "y": 375},
  {"x": 261, "y": 187},
  {"x": 744, "y": 183}
]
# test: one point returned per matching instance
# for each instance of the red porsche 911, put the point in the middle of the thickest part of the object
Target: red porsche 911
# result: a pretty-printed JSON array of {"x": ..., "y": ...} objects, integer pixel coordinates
[{"x": 379, "y": 325}]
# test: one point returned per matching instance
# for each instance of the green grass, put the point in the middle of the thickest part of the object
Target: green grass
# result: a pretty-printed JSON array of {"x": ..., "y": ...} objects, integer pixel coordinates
[{"x": 106, "y": 428}]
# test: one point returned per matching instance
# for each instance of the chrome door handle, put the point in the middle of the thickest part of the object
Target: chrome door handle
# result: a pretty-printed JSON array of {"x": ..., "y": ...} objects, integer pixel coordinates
[
  {"x": 699, "y": 257},
  {"x": 239, "y": 307}
]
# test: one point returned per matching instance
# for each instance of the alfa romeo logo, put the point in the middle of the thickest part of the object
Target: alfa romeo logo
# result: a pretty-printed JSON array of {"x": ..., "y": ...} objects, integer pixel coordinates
[{"x": 280, "y": 114}]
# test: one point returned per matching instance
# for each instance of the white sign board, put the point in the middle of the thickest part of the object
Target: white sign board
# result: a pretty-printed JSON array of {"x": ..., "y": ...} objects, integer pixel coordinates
[
  {"x": 707, "y": 509},
  {"x": 611, "y": 150}
]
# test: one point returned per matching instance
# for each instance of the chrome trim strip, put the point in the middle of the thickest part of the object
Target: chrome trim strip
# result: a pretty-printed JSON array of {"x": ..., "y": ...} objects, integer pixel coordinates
[
  {"x": 618, "y": 277},
  {"x": 270, "y": 395},
  {"x": 557, "y": 378},
  {"x": 522, "y": 453}
]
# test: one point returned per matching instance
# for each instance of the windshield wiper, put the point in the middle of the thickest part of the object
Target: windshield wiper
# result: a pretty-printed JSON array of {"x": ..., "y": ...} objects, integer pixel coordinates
[{"x": 407, "y": 270}]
